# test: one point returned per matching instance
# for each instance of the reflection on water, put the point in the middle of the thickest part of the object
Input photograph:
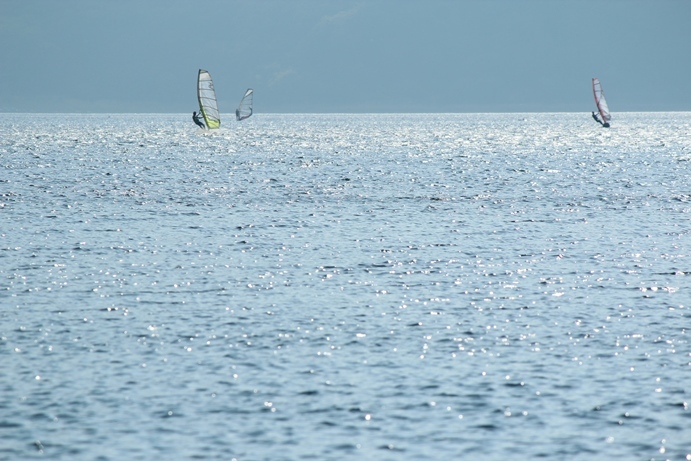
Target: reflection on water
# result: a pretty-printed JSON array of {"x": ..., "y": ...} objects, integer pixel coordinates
[{"x": 345, "y": 287}]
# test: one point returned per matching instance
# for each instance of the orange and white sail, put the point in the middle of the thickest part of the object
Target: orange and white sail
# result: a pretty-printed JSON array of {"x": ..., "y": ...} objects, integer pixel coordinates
[{"x": 600, "y": 101}]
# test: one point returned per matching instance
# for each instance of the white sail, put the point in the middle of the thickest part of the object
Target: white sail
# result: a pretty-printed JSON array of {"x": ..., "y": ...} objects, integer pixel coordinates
[
  {"x": 208, "y": 105},
  {"x": 244, "y": 110},
  {"x": 600, "y": 101}
]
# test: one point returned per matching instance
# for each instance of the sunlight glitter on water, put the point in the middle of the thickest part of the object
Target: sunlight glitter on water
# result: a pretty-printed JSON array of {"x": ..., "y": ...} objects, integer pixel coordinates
[{"x": 345, "y": 286}]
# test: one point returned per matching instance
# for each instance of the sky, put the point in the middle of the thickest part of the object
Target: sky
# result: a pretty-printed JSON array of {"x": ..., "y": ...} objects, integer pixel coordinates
[{"x": 345, "y": 56}]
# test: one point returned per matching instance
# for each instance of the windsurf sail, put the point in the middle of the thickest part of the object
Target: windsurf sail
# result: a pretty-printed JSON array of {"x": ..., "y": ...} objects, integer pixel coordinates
[
  {"x": 601, "y": 102},
  {"x": 244, "y": 110},
  {"x": 207, "y": 100}
]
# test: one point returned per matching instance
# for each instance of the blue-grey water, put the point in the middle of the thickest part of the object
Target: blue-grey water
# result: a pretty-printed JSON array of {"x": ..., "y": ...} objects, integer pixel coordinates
[{"x": 345, "y": 287}]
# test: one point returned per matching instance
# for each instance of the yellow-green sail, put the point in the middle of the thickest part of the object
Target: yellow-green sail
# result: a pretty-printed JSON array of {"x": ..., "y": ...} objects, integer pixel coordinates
[{"x": 207, "y": 100}]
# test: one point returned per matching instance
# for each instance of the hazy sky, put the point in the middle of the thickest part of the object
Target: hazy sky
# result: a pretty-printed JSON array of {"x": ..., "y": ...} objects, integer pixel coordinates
[{"x": 345, "y": 56}]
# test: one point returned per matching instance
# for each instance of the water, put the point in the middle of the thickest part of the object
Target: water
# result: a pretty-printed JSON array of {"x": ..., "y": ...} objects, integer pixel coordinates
[{"x": 337, "y": 287}]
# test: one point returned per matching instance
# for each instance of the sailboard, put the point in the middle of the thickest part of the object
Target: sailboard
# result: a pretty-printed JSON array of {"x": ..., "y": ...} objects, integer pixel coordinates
[
  {"x": 206, "y": 95},
  {"x": 244, "y": 110},
  {"x": 601, "y": 102}
]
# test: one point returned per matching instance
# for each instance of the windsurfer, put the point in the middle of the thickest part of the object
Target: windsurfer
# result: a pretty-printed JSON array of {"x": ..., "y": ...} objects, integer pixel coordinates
[
  {"x": 199, "y": 123},
  {"x": 597, "y": 119}
]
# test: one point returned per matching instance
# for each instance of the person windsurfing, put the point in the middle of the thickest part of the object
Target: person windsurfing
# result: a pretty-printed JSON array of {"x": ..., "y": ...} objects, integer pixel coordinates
[
  {"x": 597, "y": 119},
  {"x": 199, "y": 123}
]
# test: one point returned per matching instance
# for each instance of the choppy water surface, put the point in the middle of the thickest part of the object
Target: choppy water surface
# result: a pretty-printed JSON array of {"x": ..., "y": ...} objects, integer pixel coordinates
[{"x": 331, "y": 287}]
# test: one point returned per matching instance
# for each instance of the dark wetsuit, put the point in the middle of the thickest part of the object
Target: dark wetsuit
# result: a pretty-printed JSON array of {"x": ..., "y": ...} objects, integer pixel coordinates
[
  {"x": 597, "y": 119},
  {"x": 199, "y": 123}
]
